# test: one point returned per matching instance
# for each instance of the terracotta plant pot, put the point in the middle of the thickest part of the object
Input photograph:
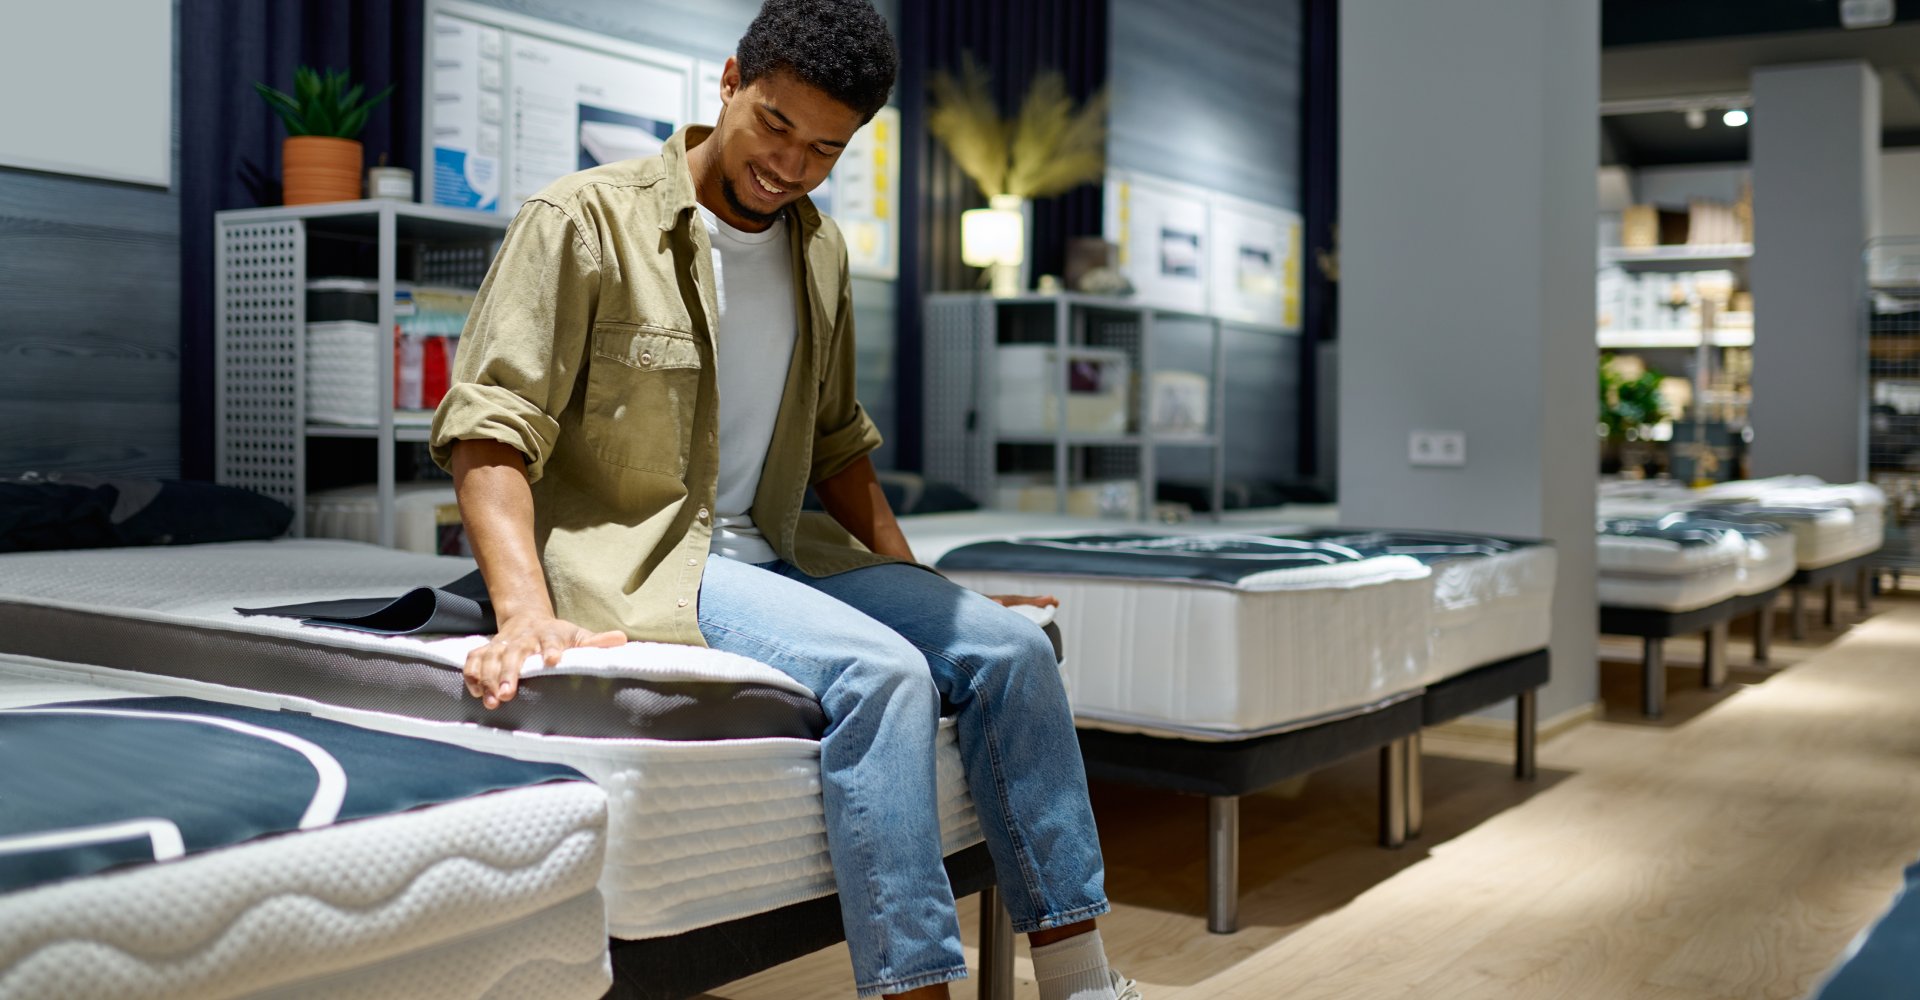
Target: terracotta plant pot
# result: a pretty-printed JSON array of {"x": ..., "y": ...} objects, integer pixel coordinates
[{"x": 317, "y": 168}]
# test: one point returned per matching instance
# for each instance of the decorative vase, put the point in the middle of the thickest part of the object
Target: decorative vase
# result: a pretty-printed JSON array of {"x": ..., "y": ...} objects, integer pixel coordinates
[{"x": 315, "y": 168}]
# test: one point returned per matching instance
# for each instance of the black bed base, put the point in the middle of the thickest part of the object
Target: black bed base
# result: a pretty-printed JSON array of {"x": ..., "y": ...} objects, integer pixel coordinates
[
  {"x": 1225, "y": 771},
  {"x": 1714, "y": 622},
  {"x": 1828, "y": 579},
  {"x": 693, "y": 962}
]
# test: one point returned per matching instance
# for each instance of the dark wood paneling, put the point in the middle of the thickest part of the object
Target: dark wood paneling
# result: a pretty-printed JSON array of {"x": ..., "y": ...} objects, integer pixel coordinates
[
  {"x": 90, "y": 323},
  {"x": 1208, "y": 92},
  {"x": 94, "y": 437}
]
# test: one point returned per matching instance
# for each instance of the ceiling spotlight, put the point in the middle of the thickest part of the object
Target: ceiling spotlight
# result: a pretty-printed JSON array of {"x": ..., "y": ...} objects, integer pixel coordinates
[
  {"x": 1735, "y": 118},
  {"x": 1696, "y": 118}
]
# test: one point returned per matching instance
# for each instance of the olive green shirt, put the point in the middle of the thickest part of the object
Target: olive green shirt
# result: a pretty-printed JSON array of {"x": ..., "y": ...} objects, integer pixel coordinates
[{"x": 591, "y": 350}]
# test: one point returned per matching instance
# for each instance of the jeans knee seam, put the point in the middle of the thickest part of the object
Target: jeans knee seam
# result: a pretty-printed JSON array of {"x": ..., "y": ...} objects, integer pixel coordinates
[{"x": 1021, "y": 849}]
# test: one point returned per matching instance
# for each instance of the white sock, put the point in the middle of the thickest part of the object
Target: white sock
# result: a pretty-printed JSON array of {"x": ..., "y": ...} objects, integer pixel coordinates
[{"x": 1074, "y": 969}]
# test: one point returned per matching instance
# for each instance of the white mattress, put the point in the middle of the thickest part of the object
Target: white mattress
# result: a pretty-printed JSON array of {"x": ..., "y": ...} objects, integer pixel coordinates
[
  {"x": 1214, "y": 662},
  {"x": 698, "y": 832},
  {"x": 489, "y": 896},
  {"x": 1688, "y": 592},
  {"x": 1771, "y": 561},
  {"x": 1490, "y": 609},
  {"x": 1485, "y": 609}
]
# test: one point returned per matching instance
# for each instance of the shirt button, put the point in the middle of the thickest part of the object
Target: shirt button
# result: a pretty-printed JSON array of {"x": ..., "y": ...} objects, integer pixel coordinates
[
  {"x": 703, "y": 514},
  {"x": 646, "y": 359},
  {"x": 683, "y": 602},
  {"x": 693, "y": 562}
]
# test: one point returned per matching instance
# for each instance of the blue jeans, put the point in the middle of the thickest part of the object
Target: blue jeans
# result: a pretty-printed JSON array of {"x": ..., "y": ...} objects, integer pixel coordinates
[{"x": 882, "y": 648}]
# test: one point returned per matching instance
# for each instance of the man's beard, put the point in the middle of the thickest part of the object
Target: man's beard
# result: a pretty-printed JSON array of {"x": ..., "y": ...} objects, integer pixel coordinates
[{"x": 740, "y": 207}]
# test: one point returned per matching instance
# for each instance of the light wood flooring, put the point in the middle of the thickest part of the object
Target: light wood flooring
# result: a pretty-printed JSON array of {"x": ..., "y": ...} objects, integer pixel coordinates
[{"x": 1730, "y": 851}]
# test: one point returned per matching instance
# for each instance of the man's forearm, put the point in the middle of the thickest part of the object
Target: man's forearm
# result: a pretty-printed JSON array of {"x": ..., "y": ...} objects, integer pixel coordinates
[
  {"x": 496, "y": 505},
  {"x": 854, "y": 498}
]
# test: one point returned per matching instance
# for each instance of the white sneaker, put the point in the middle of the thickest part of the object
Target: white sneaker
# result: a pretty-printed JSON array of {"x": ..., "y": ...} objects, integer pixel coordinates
[{"x": 1124, "y": 988}]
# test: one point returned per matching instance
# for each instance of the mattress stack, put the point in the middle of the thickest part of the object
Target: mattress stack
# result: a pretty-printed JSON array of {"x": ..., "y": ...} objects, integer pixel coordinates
[
  {"x": 709, "y": 761},
  {"x": 1217, "y": 633},
  {"x": 172, "y": 847},
  {"x": 1829, "y": 523},
  {"x": 1669, "y": 564}
]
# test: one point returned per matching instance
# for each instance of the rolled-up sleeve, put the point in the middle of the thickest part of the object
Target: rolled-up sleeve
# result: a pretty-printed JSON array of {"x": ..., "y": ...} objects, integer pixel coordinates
[
  {"x": 843, "y": 433},
  {"x": 525, "y": 340}
]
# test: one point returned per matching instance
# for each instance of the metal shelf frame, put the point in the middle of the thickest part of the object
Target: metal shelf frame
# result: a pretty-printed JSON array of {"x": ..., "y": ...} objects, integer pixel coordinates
[{"x": 260, "y": 288}]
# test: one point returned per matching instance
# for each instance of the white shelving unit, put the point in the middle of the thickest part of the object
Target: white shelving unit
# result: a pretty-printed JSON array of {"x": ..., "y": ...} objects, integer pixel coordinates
[
  {"x": 261, "y": 255},
  {"x": 1726, "y": 257},
  {"x": 964, "y": 332}
]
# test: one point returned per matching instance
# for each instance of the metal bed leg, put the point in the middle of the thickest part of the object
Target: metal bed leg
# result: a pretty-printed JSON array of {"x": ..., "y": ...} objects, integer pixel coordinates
[
  {"x": 1653, "y": 678},
  {"x": 1713, "y": 672},
  {"x": 1393, "y": 794},
  {"x": 1797, "y": 621},
  {"x": 1830, "y": 614},
  {"x": 1416, "y": 792},
  {"x": 1763, "y": 634},
  {"x": 1223, "y": 864},
  {"x": 1526, "y": 733},
  {"x": 1863, "y": 590},
  {"x": 996, "y": 947}
]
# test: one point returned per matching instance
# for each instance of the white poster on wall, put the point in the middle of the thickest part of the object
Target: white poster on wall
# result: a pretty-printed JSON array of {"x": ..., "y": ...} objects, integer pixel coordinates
[
  {"x": 862, "y": 195},
  {"x": 1255, "y": 277},
  {"x": 1161, "y": 229},
  {"x": 90, "y": 89},
  {"x": 515, "y": 103},
  {"x": 572, "y": 109},
  {"x": 465, "y": 93}
]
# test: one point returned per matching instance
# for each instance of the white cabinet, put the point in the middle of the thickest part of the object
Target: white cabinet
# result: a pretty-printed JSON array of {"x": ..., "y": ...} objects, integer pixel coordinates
[{"x": 1014, "y": 426}]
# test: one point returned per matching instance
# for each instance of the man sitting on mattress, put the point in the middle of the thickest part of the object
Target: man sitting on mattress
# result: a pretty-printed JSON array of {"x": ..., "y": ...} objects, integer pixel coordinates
[{"x": 659, "y": 365}]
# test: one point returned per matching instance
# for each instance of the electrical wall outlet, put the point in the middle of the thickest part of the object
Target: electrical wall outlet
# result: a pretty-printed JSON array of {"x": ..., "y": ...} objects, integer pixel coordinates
[{"x": 1437, "y": 448}]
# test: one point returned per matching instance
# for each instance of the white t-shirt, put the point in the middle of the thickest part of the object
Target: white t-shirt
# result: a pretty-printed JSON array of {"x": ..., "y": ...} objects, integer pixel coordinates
[{"x": 753, "y": 346}]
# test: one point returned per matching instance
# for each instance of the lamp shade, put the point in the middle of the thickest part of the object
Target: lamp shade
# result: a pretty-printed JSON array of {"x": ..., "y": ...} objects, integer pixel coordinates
[{"x": 990, "y": 236}]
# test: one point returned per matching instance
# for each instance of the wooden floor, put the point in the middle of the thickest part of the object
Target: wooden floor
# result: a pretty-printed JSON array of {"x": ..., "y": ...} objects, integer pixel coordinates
[{"x": 1731, "y": 851}]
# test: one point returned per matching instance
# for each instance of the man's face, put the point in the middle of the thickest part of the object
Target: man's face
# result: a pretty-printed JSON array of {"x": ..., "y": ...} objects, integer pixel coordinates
[{"x": 777, "y": 139}]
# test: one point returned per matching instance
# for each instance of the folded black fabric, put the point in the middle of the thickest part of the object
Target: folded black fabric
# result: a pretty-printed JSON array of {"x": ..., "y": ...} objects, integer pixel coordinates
[{"x": 459, "y": 608}]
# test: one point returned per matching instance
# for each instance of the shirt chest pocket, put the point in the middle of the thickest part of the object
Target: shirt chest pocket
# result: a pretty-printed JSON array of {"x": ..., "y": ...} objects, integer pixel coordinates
[{"x": 642, "y": 386}]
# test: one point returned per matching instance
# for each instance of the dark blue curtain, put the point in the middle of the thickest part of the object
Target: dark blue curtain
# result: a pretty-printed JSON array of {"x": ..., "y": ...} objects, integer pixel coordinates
[
  {"x": 1016, "y": 41},
  {"x": 230, "y": 141},
  {"x": 1320, "y": 194}
]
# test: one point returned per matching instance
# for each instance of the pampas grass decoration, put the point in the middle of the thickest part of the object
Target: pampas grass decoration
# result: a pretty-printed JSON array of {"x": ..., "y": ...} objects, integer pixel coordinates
[
  {"x": 1049, "y": 149},
  {"x": 964, "y": 119},
  {"x": 1055, "y": 148}
]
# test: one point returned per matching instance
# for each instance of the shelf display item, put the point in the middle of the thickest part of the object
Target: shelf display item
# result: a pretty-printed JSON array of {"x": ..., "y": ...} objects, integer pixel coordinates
[
  {"x": 1098, "y": 383},
  {"x": 1179, "y": 403}
]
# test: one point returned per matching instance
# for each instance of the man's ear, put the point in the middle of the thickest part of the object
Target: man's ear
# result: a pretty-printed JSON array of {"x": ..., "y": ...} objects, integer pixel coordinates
[{"x": 729, "y": 81}]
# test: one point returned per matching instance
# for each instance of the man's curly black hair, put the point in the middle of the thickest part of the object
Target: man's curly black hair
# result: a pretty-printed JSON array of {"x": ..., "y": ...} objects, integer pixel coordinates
[{"x": 842, "y": 47}]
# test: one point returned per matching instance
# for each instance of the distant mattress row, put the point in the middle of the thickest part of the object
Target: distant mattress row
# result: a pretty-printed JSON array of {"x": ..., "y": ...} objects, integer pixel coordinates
[{"x": 1668, "y": 548}]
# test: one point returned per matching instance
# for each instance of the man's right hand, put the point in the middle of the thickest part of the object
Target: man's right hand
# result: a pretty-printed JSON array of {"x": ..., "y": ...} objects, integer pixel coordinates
[{"x": 493, "y": 671}]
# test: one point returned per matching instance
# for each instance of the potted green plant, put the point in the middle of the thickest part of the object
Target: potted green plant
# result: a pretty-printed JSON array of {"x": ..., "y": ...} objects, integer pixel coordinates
[
  {"x": 321, "y": 158},
  {"x": 1630, "y": 404}
]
